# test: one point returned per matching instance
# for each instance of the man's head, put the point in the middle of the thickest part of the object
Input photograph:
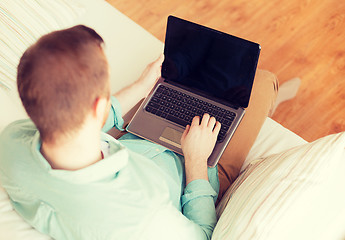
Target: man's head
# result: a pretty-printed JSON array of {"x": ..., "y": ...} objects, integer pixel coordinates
[{"x": 61, "y": 78}]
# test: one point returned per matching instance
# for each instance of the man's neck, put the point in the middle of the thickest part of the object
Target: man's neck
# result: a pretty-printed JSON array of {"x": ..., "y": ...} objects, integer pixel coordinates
[{"x": 74, "y": 152}]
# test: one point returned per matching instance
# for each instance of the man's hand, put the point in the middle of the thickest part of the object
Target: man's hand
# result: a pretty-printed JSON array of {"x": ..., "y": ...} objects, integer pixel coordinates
[
  {"x": 197, "y": 142},
  {"x": 132, "y": 94},
  {"x": 151, "y": 74}
]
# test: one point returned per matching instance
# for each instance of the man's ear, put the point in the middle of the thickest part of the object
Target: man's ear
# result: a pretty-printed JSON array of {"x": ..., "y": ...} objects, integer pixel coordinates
[{"x": 100, "y": 108}]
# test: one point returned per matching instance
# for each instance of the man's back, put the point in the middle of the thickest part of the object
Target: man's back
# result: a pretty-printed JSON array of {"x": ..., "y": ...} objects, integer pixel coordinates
[{"x": 119, "y": 197}]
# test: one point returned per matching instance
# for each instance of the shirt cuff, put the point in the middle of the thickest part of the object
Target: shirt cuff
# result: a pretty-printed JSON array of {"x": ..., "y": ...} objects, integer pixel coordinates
[
  {"x": 197, "y": 189},
  {"x": 114, "y": 117}
]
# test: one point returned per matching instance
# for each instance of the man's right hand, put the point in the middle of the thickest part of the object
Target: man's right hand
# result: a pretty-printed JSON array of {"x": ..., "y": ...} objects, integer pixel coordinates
[{"x": 198, "y": 141}]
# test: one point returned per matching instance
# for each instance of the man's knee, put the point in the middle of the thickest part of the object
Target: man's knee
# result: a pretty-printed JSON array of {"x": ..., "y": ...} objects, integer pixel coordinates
[
  {"x": 266, "y": 86},
  {"x": 268, "y": 80}
]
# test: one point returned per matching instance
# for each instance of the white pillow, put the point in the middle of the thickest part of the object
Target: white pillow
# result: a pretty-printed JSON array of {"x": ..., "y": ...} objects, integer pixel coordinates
[
  {"x": 22, "y": 22},
  {"x": 297, "y": 194}
]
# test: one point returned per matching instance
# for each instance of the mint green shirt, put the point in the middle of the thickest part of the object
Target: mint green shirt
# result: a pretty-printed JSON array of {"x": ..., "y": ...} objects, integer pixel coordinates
[{"x": 137, "y": 192}]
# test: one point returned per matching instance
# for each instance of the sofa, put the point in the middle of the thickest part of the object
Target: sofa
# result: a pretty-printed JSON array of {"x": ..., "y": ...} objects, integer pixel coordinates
[{"x": 288, "y": 188}]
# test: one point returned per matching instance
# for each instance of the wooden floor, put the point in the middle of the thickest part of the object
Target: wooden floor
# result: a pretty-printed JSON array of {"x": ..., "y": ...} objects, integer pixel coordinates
[{"x": 299, "y": 38}]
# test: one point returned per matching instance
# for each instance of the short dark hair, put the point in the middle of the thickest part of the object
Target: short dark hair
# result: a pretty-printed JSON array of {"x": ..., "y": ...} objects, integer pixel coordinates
[{"x": 60, "y": 77}]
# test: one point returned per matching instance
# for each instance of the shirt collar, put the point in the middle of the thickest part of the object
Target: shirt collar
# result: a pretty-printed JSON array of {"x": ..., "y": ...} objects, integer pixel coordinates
[{"x": 103, "y": 169}]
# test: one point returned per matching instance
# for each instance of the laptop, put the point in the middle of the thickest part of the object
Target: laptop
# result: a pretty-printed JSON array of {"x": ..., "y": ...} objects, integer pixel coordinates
[{"x": 204, "y": 71}]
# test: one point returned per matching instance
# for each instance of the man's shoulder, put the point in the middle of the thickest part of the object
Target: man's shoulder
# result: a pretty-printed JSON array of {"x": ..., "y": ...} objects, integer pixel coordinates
[
  {"x": 15, "y": 138},
  {"x": 19, "y": 128}
]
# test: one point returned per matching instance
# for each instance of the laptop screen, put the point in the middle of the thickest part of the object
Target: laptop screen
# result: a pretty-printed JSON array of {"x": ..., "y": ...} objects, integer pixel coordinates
[{"x": 214, "y": 63}]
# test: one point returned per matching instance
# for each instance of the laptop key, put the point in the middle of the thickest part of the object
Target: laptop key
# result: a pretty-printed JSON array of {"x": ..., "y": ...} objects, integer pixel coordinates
[
  {"x": 226, "y": 122},
  {"x": 222, "y": 132},
  {"x": 224, "y": 128},
  {"x": 177, "y": 120},
  {"x": 154, "y": 105},
  {"x": 177, "y": 114},
  {"x": 160, "y": 89},
  {"x": 215, "y": 112},
  {"x": 157, "y": 95},
  {"x": 220, "y": 138},
  {"x": 149, "y": 109},
  {"x": 230, "y": 118},
  {"x": 154, "y": 99}
]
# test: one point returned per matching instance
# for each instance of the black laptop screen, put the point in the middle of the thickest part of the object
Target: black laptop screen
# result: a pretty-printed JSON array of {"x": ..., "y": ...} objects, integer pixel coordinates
[{"x": 210, "y": 61}]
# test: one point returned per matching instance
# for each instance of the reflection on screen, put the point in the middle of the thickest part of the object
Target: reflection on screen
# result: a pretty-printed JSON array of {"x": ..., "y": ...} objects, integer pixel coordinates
[{"x": 219, "y": 64}]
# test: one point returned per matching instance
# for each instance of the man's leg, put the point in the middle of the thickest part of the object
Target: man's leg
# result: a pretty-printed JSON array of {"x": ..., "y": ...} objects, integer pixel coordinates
[{"x": 261, "y": 102}]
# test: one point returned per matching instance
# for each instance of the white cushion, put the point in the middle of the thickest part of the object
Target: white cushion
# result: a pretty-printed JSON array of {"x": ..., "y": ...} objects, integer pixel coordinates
[
  {"x": 273, "y": 138},
  {"x": 22, "y": 23},
  {"x": 296, "y": 194}
]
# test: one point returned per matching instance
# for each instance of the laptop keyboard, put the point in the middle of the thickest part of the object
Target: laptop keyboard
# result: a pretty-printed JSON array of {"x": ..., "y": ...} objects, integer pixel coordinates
[{"x": 181, "y": 108}]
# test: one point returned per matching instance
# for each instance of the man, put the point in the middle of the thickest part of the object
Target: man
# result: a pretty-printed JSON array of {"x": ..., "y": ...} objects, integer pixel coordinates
[{"x": 70, "y": 180}]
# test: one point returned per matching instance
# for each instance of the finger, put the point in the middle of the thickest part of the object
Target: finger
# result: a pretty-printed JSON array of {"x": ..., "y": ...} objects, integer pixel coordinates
[
  {"x": 196, "y": 121},
  {"x": 217, "y": 128},
  {"x": 211, "y": 123},
  {"x": 159, "y": 60},
  {"x": 185, "y": 132},
  {"x": 205, "y": 120}
]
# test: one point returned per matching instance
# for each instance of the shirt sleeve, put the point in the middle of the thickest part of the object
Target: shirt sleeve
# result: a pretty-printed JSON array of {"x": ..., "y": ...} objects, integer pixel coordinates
[
  {"x": 198, "y": 205},
  {"x": 114, "y": 117}
]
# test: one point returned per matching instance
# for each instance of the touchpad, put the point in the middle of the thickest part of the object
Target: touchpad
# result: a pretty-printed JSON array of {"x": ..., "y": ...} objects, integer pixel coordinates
[{"x": 171, "y": 136}]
